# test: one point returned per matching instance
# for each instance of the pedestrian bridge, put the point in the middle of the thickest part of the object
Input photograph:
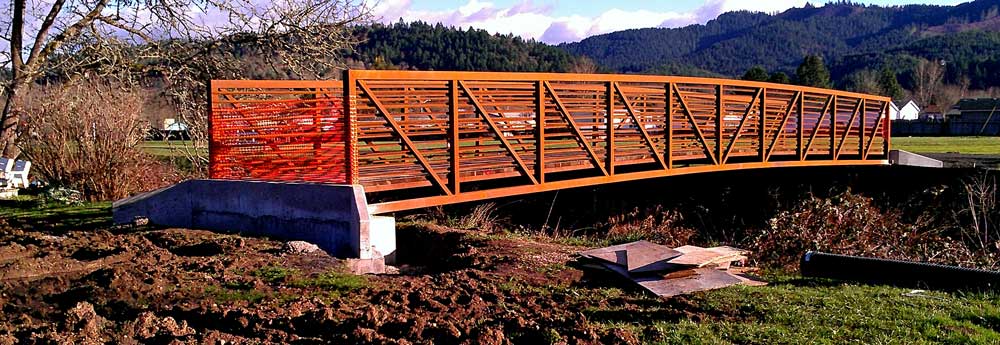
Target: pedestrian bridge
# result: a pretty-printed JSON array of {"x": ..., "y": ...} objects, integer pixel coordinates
[{"x": 418, "y": 139}]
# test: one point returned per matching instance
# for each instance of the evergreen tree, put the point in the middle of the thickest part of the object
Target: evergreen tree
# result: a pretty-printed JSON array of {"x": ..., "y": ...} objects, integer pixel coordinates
[
  {"x": 755, "y": 73},
  {"x": 780, "y": 78},
  {"x": 812, "y": 72},
  {"x": 889, "y": 85}
]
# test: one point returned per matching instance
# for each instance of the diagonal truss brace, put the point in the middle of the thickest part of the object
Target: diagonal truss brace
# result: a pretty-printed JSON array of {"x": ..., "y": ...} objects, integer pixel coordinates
[
  {"x": 847, "y": 131},
  {"x": 815, "y": 132},
  {"x": 642, "y": 127},
  {"x": 576, "y": 129},
  {"x": 496, "y": 130},
  {"x": 406, "y": 139},
  {"x": 781, "y": 127},
  {"x": 743, "y": 122},
  {"x": 697, "y": 129},
  {"x": 878, "y": 125}
]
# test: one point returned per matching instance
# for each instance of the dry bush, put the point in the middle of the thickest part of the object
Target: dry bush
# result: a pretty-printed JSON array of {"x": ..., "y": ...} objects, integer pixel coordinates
[
  {"x": 983, "y": 216},
  {"x": 85, "y": 135},
  {"x": 654, "y": 224},
  {"x": 851, "y": 224}
]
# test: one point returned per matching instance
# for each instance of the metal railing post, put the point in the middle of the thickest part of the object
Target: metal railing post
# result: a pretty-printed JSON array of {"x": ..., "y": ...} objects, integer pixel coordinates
[
  {"x": 762, "y": 133},
  {"x": 668, "y": 146},
  {"x": 719, "y": 118},
  {"x": 454, "y": 141},
  {"x": 540, "y": 132},
  {"x": 351, "y": 127},
  {"x": 833, "y": 129},
  {"x": 610, "y": 147},
  {"x": 801, "y": 126},
  {"x": 861, "y": 128},
  {"x": 212, "y": 149},
  {"x": 887, "y": 132}
]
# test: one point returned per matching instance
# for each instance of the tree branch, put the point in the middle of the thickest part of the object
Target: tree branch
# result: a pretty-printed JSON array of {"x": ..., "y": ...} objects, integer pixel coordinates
[
  {"x": 70, "y": 32},
  {"x": 43, "y": 31},
  {"x": 17, "y": 37}
]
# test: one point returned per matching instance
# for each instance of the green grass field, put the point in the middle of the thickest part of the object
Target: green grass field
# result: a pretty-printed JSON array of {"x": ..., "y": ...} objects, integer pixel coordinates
[
  {"x": 806, "y": 311},
  {"x": 174, "y": 148},
  {"x": 965, "y": 145}
]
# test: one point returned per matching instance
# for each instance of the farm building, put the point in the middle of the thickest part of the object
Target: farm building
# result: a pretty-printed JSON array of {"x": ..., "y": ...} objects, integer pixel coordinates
[
  {"x": 904, "y": 111},
  {"x": 976, "y": 116}
]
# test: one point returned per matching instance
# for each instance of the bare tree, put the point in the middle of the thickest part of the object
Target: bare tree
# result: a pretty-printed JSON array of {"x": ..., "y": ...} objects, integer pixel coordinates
[
  {"x": 928, "y": 80},
  {"x": 584, "y": 65},
  {"x": 182, "y": 43},
  {"x": 864, "y": 81}
]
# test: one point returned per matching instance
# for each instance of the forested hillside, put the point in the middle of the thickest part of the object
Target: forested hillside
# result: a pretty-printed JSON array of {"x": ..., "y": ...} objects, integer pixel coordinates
[
  {"x": 436, "y": 47},
  {"x": 850, "y": 37}
]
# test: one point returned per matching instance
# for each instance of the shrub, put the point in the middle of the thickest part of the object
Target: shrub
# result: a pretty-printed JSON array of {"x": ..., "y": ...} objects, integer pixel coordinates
[
  {"x": 85, "y": 135},
  {"x": 850, "y": 224}
]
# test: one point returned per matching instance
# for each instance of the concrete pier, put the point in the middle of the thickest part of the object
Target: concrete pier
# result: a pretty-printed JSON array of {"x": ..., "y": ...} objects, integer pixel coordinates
[{"x": 334, "y": 217}]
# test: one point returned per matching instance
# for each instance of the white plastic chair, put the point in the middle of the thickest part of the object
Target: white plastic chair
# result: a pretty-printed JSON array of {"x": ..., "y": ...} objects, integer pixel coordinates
[
  {"x": 6, "y": 164},
  {"x": 19, "y": 174}
]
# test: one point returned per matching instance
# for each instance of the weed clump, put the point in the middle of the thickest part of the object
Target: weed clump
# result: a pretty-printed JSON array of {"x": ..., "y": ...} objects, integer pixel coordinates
[
  {"x": 274, "y": 274},
  {"x": 334, "y": 281},
  {"x": 655, "y": 224}
]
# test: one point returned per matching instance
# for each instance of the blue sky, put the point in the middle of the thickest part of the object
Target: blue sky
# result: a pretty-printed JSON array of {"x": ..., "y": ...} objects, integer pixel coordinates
[{"x": 558, "y": 21}]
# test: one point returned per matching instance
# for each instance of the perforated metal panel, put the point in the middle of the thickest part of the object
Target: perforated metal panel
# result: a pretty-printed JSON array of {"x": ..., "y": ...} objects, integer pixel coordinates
[{"x": 278, "y": 130}]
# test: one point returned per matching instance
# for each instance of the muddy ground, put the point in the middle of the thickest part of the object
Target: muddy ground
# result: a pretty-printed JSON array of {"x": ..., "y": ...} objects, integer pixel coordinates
[{"x": 167, "y": 285}]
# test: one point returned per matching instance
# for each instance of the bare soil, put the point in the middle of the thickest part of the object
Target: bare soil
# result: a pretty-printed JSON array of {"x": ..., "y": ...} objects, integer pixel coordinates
[{"x": 169, "y": 285}]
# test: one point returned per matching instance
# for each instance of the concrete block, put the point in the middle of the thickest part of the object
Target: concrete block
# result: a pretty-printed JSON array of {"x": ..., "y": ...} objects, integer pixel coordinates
[
  {"x": 382, "y": 233},
  {"x": 900, "y": 157},
  {"x": 366, "y": 266},
  {"x": 334, "y": 217}
]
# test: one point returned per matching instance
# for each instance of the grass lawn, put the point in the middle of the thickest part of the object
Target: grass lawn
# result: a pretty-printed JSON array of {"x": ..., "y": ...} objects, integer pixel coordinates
[
  {"x": 805, "y": 311},
  {"x": 32, "y": 213},
  {"x": 966, "y": 145},
  {"x": 172, "y": 148}
]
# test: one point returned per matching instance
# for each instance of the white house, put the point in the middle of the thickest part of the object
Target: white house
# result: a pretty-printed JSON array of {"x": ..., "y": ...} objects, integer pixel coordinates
[{"x": 908, "y": 111}]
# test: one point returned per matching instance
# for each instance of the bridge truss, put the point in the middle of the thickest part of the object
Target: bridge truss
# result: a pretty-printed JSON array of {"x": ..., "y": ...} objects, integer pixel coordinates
[{"x": 417, "y": 139}]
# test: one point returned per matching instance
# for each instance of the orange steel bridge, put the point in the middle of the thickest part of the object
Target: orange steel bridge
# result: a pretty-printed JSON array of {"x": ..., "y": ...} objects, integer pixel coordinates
[{"x": 417, "y": 139}]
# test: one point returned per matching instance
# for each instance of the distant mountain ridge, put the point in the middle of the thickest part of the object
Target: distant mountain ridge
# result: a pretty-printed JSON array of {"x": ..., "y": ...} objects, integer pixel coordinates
[
  {"x": 424, "y": 46},
  {"x": 849, "y": 36}
]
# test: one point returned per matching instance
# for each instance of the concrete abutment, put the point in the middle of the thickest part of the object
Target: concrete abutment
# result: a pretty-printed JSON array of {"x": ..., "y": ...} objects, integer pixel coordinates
[{"x": 334, "y": 217}]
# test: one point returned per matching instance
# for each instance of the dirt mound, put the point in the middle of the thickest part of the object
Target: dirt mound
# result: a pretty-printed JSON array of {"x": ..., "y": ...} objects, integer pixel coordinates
[{"x": 192, "y": 286}]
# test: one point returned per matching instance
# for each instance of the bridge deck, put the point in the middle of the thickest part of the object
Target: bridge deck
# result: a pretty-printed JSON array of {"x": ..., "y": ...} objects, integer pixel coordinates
[{"x": 418, "y": 139}]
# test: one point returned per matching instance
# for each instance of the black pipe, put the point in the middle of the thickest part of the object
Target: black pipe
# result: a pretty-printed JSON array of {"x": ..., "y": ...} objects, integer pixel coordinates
[{"x": 920, "y": 275}]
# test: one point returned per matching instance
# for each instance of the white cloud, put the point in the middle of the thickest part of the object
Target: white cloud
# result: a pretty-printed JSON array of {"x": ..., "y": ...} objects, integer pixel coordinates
[{"x": 527, "y": 20}]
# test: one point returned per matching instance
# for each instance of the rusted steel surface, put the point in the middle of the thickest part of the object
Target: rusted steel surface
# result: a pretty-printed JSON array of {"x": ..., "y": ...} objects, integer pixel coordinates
[
  {"x": 277, "y": 130},
  {"x": 418, "y": 139}
]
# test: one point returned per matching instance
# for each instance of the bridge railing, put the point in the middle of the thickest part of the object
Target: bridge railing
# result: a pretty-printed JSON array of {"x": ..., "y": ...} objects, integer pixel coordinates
[
  {"x": 278, "y": 130},
  {"x": 417, "y": 139}
]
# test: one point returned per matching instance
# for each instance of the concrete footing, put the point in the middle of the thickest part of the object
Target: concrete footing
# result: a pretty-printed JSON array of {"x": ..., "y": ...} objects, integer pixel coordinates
[
  {"x": 334, "y": 217},
  {"x": 900, "y": 157}
]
